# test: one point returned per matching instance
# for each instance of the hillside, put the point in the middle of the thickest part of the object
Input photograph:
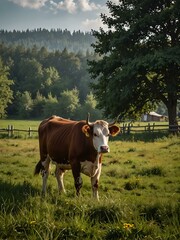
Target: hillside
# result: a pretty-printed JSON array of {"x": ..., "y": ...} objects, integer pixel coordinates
[
  {"x": 52, "y": 40},
  {"x": 45, "y": 82}
]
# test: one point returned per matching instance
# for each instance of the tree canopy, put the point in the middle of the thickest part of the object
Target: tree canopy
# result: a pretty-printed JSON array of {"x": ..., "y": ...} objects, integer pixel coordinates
[
  {"x": 54, "y": 39},
  {"x": 45, "y": 83},
  {"x": 140, "y": 58},
  {"x": 5, "y": 90}
]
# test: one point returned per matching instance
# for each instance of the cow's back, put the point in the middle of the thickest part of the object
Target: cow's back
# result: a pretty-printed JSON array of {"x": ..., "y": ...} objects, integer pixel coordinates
[{"x": 54, "y": 138}]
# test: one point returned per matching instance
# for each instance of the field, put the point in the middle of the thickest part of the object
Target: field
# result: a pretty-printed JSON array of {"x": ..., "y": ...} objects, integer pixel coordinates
[{"x": 139, "y": 194}]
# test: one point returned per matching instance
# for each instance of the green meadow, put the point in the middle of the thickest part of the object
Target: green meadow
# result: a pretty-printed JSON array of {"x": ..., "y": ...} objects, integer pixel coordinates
[
  {"x": 19, "y": 124},
  {"x": 139, "y": 193}
]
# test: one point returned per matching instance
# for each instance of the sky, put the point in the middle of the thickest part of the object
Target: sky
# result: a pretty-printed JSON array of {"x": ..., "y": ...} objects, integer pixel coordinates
[{"x": 72, "y": 15}]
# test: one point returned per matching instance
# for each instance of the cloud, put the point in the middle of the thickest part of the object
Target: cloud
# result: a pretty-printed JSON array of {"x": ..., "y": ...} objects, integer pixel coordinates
[
  {"x": 85, "y": 5},
  {"x": 115, "y": 1},
  {"x": 94, "y": 24},
  {"x": 33, "y": 4},
  {"x": 72, "y": 6},
  {"x": 67, "y": 5}
]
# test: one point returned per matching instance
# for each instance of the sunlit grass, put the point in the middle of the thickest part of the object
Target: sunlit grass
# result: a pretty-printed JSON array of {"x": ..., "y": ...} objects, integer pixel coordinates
[
  {"x": 139, "y": 187},
  {"x": 20, "y": 124}
]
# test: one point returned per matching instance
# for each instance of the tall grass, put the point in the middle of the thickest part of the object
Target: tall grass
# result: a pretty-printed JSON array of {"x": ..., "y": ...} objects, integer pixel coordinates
[{"x": 139, "y": 195}]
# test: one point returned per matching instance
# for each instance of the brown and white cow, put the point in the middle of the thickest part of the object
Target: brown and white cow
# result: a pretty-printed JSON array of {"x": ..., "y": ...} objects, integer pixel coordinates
[{"x": 76, "y": 145}]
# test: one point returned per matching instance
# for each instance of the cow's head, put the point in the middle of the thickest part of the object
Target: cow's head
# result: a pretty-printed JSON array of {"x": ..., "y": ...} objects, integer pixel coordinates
[{"x": 100, "y": 132}]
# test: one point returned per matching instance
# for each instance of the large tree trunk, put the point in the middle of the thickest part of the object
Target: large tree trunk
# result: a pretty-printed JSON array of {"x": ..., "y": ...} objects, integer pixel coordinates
[{"x": 172, "y": 114}]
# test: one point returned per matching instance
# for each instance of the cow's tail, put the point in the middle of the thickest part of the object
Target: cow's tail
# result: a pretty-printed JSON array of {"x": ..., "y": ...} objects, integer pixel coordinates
[{"x": 38, "y": 168}]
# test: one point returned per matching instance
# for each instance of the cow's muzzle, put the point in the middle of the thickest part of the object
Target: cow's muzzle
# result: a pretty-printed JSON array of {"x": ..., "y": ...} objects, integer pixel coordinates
[{"x": 104, "y": 149}]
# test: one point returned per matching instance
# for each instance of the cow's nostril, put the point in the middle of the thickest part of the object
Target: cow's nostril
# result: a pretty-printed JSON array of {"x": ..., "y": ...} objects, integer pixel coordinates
[{"x": 104, "y": 149}]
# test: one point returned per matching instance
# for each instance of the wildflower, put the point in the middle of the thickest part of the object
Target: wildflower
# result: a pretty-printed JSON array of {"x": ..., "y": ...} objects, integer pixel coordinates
[{"x": 128, "y": 226}]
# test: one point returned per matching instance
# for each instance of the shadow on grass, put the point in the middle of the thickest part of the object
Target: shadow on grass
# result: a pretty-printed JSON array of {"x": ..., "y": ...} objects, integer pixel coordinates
[{"x": 12, "y": 196}]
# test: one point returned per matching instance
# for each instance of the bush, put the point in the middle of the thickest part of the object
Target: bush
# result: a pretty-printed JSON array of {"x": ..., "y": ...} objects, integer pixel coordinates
[
  {"x": 153, "y": 171},
  {"x": 133, "y": 184}
]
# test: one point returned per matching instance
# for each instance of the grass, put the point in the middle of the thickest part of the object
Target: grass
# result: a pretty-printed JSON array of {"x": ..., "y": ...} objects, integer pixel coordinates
[
  {"x": 139, "y": 194},
  {"x": 20, "y": 124}
]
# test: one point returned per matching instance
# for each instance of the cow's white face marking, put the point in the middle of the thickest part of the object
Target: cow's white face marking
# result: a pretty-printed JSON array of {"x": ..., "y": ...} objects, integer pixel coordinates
[{"x": 101, "y": 137}]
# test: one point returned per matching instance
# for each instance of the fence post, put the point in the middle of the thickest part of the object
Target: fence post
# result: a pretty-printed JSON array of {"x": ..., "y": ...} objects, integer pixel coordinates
[
  {"x": 29, "y": 131},
  {"x": 129, "y": 128},
  {"x": 9, "y": 130},
  {"x": 12, "y": 130},
  {"x": 123, "y": 128}
]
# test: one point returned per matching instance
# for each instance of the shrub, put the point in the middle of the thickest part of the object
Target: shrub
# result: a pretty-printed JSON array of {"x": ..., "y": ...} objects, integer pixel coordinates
[
  {"x": 156, "y": 171},
  {"x": 133, "y": 184}
]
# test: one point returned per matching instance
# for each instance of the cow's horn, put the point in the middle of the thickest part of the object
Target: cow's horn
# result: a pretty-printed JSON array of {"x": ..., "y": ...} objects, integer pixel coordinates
[
  {"x": 114, "y": 122},
  {"x": 87, "y": 120}
]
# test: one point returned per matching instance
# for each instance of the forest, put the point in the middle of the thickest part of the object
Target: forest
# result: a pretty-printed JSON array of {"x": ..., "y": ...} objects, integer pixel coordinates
[
  {"x": 43, "y": 82},
  {"x": 45, "y": 72},
  {"x": 54, "y": 39},
  {"x": 47, "y": 82}
]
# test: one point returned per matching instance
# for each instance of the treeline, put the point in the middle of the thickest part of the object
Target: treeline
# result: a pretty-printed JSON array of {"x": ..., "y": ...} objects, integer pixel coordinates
[
  {"x": 50, "y": 39},
  {"x": 46, "y": 83}
]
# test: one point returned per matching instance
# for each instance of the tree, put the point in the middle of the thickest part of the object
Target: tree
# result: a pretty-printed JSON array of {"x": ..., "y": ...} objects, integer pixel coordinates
[
  {"x": 30, "y": 76},
  {"x": 89, "y": 106},
  {"x": 6, "y": 93},
  {"x": 25, "y": 103},
  {"x": 69, "y": 103},
  {"x": 51, "y": 106},
  {"x": 38, "y": 106},
  {"x": 51, "y": 81},
  {"x": 161, "y": 109},
  {"x": 140, "y": 58}
]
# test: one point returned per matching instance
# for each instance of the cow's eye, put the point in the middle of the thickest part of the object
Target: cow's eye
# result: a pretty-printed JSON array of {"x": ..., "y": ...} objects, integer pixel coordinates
[{"x": 95, "y": 135}]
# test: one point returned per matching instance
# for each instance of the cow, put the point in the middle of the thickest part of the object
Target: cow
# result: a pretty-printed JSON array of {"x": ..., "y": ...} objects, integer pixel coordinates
[{"x": 75, "y": 145}]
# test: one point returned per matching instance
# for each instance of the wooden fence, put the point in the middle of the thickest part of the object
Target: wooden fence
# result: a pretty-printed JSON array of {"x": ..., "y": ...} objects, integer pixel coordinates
[
  {"x": 11, "y": 131},
  {"x": 126, "y": 128}
]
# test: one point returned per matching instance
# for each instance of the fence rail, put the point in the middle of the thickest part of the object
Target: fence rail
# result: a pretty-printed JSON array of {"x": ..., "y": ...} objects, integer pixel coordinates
[
  {"x": 11, "y": 131},
  {"x": 126, "y": 128}
]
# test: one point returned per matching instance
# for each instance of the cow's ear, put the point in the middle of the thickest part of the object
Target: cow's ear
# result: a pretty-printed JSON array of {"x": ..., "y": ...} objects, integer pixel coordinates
[
  {"x": 86, "y": 130},
  {"x": 114, "y": 130}
]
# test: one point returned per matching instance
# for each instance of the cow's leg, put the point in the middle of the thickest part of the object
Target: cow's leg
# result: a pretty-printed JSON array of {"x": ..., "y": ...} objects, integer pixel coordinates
[
  {"x": 77, "y": 177},
  {"x": 45, "y": 173},
  {"x": 95, "y": 182},
  {"x": 59, "y": 173},
  {"x": 78, "y": 184}
]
